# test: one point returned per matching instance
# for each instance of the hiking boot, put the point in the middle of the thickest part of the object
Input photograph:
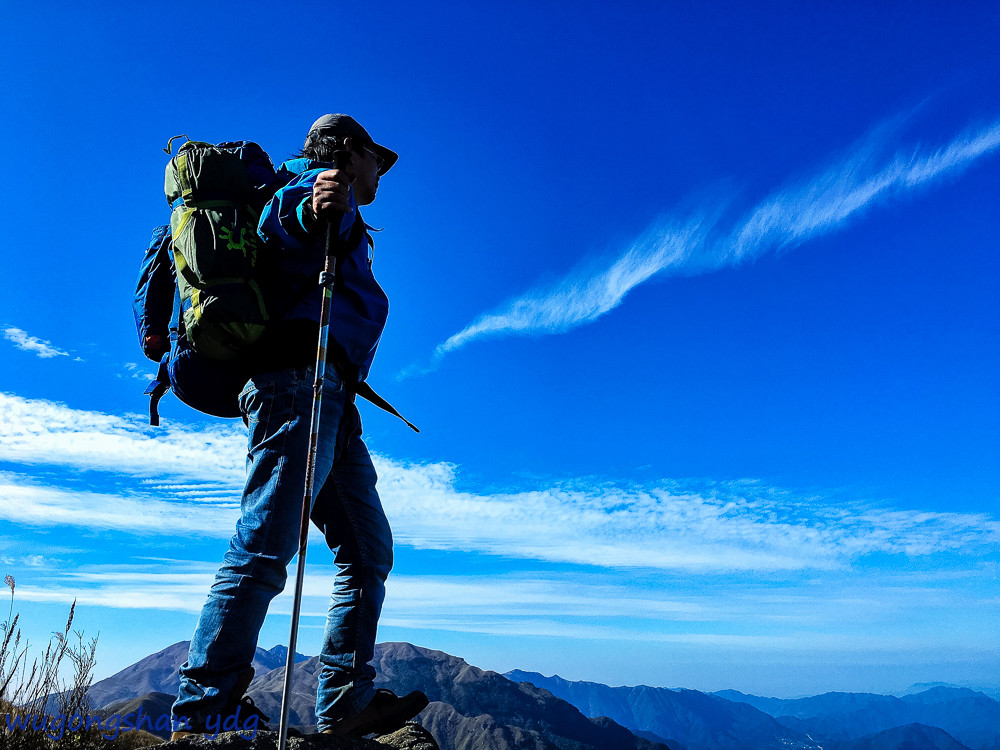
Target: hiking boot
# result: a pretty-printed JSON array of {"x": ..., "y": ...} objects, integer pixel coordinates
[
  {"x": 385, "y": 713},
  {"x": 238, "y": 709}
]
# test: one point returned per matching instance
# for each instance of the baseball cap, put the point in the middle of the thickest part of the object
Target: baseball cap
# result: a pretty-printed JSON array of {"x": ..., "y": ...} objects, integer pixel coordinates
[{"x": 347, "y": 125}]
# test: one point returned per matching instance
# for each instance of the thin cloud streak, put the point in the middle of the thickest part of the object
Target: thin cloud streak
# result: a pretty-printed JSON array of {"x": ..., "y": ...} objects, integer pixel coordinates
[
  {"x": 866, "y": 611},
  {"x": 795, "y": 215},
  {"x": 581, "y": 299},
  {"x": 135, "y": 371},
  {"x": 786, "y": 219},
  {"x": 808, "y": 641},
  {"x": 26, "y": 342},
  {"x": 736, "y": 526},
  {"x": 36, "y": 431},
  {"x": 28, "y": 505},
  {"x": 164, "y": 592}
]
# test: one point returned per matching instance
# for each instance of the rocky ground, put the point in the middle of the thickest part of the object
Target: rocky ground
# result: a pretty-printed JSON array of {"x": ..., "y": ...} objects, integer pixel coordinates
[{"x": 410, "y": 737}]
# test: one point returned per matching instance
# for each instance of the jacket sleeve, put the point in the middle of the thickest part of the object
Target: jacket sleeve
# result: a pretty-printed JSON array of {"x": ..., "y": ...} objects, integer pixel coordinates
[
  {"x": 152, "y": 305},
  {"x": 286, "y": 220}
]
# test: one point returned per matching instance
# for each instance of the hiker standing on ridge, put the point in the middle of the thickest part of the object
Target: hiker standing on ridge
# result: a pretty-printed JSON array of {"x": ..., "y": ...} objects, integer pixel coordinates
[{"x": 276, "y": 406}]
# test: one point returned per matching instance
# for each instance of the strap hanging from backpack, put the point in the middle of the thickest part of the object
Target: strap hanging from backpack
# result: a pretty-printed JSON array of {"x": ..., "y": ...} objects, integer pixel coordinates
[
  {"x": 156, "y": 389},
  {"x": 365, "y": 391}
]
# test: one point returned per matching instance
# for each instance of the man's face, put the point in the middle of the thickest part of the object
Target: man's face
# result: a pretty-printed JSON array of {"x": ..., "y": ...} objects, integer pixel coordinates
[{"x": 366, "y": 165}]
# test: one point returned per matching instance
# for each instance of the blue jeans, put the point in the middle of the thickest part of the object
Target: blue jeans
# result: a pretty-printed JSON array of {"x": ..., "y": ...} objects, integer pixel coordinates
[{"x": 346, "y": 508}]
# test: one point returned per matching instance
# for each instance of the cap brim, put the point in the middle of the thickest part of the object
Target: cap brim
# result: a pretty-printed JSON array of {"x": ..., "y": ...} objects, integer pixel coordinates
[{"x": 388, "y": 157}]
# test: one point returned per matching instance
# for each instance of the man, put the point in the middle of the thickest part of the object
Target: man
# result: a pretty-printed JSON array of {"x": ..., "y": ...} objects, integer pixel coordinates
[{"x": 276, "y": 405}]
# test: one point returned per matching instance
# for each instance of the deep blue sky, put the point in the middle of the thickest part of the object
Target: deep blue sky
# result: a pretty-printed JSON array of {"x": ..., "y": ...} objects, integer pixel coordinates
[{"x": 750, "y": 254}]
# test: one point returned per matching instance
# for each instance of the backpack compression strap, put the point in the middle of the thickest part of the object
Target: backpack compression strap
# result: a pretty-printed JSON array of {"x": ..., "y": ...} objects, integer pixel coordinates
[{"x": 156, "y": 390}]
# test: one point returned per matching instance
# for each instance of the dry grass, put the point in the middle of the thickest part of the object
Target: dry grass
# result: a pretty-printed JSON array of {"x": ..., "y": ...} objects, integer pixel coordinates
[{"x": 40, "y": 698}]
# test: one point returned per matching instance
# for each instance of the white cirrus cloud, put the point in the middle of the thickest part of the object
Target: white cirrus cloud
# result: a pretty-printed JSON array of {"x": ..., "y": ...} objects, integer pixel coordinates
[
  {"x": 175, "y": 592},
  {"x": 26, "y": 342},
  {"x": 787, "y": 218},
  {"x": 847, "y": 188},
  {"x": 711, "y": 527},
  {"x": 582, "y": 297},
  {"x": 135, "y": 371},
  {"x": 26, "y": 503},
  {"x": 36, "y": 431},
  {"x": 843, "y": 614},
  {"x": 736, "y": 526}
]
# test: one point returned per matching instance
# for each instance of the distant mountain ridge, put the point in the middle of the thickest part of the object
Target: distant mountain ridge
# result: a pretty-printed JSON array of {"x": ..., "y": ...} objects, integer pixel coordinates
[
  {"x": 471, "y": 709},
  {"x": 698, "y": 720},
  {"x": 993, "y": 691},
  {"x": 968, "y": 718},
  {"x": 475, "y": 709},
  {"x": 157, "y": 673},
  {"x": 908, "y": 737}
]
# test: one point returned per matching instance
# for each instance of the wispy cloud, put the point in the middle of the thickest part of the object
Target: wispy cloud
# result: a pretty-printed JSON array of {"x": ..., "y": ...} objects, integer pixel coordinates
[
  {"x": 825, "y": 202},
  {"x": 36, "y": 431},
  {"x": 30, "y": 561},
  {"x": 581, "y": 298},
  {"x": 862, "y": 614},
  {"x": 705, "y": 528},
  {"x": 23, "y": 340},
  {"x": 25, "y": 503},
  {"x": 131, "y": 589},
  {"x": 135, "y": 371},
  {"x": 791, "y": 216},
  {"x": 735, "y": 526}
]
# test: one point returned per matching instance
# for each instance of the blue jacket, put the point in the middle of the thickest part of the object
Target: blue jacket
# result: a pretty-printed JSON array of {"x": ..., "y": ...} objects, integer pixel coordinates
[
  {"x": 298, "y": 252},
  {"x": 153, "y": 302}
]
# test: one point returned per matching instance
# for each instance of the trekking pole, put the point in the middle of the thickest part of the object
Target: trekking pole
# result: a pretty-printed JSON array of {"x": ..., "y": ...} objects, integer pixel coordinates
[{"x": 326, "y": 280}]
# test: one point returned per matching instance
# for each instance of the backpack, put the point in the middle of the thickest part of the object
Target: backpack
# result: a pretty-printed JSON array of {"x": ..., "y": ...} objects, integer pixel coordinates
[
  {"x": 198, "y": 283},
  {"x": 216, "y": 194},
  {"x": 209, "y": 385},
  {"x": 198, "y": 296}
]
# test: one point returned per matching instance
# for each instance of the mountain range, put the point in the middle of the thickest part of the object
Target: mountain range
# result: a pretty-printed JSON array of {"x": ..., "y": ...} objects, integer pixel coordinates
[
  {"x": 970, "y": 719},
  {"x": 470, "y": 709},
  {"x": 157, "y": 673},
  {"x": 475, "y": 709}
]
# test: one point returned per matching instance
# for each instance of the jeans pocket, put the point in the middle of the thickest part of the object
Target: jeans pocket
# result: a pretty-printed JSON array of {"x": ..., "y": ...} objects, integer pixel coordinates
[
  {"x": 332, "y": 382},
  {"x": 250, "y": 386},
  {"x": 258, "y": 391}
]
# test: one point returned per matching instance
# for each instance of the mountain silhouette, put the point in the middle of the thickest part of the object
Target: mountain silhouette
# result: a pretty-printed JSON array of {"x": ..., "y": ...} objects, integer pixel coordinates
[
  {"x": 908, "y": 737},
  {"x": 696, "y": 720},
  {"x": 970, "y": 717},
  {"x": 476, "y": 709},
  {"x": 157, "y": 673},
  {"x": 471, "y": 709}
]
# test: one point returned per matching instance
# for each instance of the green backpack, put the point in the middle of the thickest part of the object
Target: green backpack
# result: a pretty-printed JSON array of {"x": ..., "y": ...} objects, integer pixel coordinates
[{"x": 216, "y": 194}]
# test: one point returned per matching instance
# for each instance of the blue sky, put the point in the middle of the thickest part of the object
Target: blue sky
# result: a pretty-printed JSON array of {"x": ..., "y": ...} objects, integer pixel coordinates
[{"x": 695, "y": 305}]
